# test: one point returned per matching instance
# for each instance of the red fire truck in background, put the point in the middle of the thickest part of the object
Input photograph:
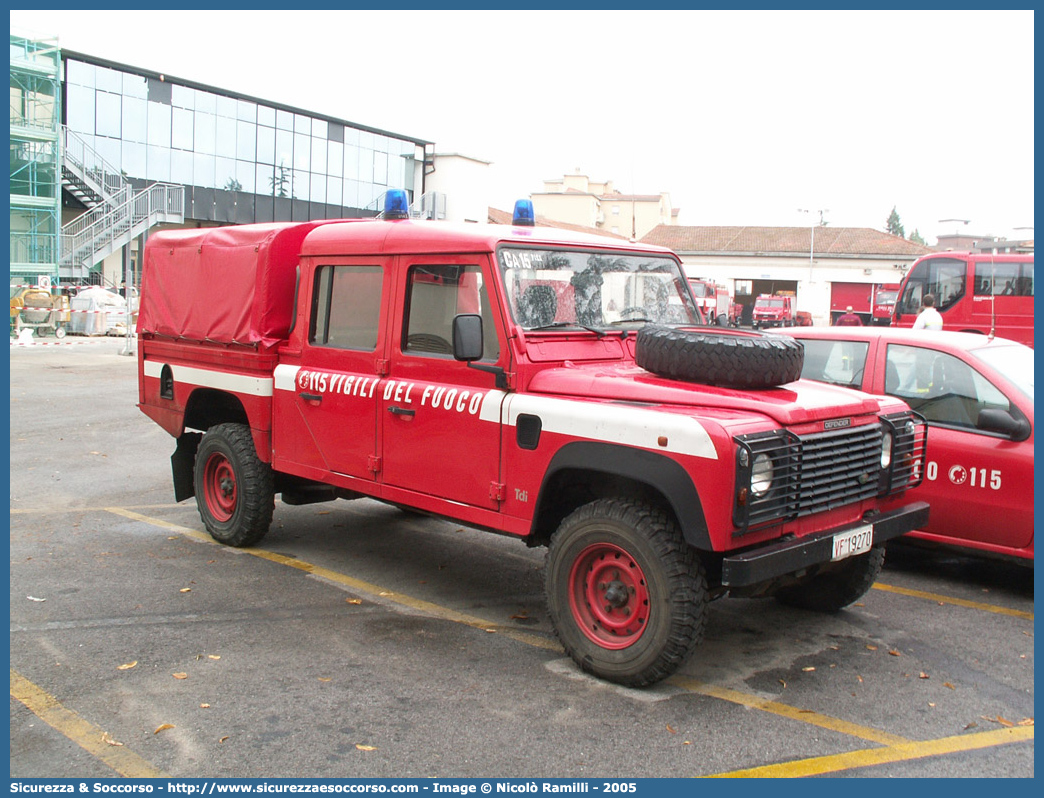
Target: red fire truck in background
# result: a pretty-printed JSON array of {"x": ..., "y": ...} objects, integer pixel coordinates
[
  {"x": 712, "y": 299},
  {"x": 884, "y": 304},
  {"x": 974, "y": 291},
  {"x": 872, "y": 302},
  {"x": 774, "y": 311}
]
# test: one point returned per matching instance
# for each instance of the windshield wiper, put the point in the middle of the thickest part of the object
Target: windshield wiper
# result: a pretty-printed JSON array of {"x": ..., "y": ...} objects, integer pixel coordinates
[
  {"x": 633, "y": 319},
  {"x": 556, "y": 325}
]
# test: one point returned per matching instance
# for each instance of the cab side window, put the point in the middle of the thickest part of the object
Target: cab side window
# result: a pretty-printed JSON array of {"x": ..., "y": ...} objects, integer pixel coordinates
[
  {"x": 940, "y": 387},
  {"x": 836, "y": 362},
  {"x": 434, "y": 295},
  {"x": 346, "y": 307}
]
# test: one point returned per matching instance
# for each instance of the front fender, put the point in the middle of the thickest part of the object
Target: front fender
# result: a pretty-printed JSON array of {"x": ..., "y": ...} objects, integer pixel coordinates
[{"x": 659, "y": 473}]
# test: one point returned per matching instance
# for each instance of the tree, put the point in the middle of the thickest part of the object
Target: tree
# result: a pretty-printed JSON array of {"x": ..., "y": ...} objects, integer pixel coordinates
[
  {"x": 282, "y": 182},
  {"x": 915, "y": 236},
  {"x": 894, "y": 225}
]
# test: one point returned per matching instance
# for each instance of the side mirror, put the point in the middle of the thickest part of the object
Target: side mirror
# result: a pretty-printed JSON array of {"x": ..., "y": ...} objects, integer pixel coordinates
[
  {"x": 722, "y": 320},
  {"x": 467, "y": 337},
  {"x": 1003, "y": 422}
]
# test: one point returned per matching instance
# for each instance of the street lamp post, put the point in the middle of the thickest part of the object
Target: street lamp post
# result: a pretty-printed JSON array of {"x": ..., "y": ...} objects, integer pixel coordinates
[{"x": 812, "y": 239}]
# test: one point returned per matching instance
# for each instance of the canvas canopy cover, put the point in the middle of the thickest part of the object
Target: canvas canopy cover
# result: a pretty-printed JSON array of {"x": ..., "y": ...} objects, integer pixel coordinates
[{"x": 229, "y": 285}]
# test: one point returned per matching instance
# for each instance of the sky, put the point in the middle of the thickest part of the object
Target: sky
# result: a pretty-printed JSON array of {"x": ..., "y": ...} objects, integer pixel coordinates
[{"x": 742, "y": 117}]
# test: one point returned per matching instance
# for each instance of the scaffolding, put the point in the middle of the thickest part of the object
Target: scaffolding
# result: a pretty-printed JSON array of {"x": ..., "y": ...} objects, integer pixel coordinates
[{"x": 35, "y": 159}]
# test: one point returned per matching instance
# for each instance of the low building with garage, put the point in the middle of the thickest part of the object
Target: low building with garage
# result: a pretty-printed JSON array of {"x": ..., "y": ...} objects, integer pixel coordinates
[{"x": 826, "y": 268}]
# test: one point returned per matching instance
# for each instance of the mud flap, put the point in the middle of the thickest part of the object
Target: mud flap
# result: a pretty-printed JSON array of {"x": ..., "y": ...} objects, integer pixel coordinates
[{"x": 182, "y": 465}]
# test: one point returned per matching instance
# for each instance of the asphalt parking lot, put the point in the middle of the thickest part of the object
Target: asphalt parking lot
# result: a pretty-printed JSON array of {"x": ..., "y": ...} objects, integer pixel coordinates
[{"x": 360, "y": 641}]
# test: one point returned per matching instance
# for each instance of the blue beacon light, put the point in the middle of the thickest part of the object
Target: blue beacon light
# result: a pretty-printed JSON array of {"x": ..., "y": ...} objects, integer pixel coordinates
[
  {"x": 396, "y": 204},
  {"x": 524, "y": 216}
]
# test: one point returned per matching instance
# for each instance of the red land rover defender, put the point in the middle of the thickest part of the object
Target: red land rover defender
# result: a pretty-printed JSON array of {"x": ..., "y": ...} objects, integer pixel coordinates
[{"x": 548, "y": 385}]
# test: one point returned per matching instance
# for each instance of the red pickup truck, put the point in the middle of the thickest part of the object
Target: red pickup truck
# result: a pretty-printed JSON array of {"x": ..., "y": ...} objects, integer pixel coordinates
[{"x": 552, "y": 386}]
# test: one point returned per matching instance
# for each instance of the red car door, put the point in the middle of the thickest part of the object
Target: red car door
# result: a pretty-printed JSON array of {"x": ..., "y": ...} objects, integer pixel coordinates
[
  {"x": 975, "y": 482},
  {"x": 439, "y": 418}
]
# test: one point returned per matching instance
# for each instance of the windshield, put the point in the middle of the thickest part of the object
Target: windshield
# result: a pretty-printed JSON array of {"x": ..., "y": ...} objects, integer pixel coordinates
[
  {"x": 1014, "y": 362},
  {"x": 770, "y": 303},
  {"x": 943, "y": 278},
  {"x": 569, "y": 288}
]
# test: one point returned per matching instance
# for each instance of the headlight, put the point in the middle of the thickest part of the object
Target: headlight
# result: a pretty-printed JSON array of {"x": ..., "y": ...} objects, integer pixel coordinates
[
  {"x": 761, "y": 475},
  {"x": 886, "y": 450}
]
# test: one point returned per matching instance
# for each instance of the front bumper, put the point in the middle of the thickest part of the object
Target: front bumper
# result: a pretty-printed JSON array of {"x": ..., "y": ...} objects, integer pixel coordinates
[{"x": 788, "y": 556}]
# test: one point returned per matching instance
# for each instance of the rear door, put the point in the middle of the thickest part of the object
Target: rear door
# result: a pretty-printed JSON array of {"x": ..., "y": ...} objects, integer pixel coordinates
[{"x": 327, "y": 413}]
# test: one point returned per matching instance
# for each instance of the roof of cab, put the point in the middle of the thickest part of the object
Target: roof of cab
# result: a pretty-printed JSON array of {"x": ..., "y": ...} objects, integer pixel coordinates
[
  {"x": 369, "y": 237},
  {"x": 938, "y": 339}
]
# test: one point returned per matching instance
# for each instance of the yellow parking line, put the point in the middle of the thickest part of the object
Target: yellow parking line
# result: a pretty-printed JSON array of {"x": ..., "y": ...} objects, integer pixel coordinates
[
  {"x": 869, "y": 757},
  {"x": 721, "y": 693},
  {"x": 936, "y": 597},
  {"x": 939, "y": 599},
  {"x": 783, "y": 710},
  {"x": 359, "y": 585},
  {"x": 145, "y": 519},
  {"x": 57, "y": 510},
  {"x": 85, "y": 734},
  {"x": 895, "y": 748}
]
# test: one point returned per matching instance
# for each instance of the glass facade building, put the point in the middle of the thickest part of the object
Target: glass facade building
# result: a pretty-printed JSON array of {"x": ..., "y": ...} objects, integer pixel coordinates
[{"x": 240, "y": 158}]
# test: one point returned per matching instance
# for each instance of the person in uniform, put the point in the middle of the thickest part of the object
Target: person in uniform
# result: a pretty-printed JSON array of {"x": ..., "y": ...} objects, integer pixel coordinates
[
  {"x": 929, "y": 318},
  {"x": 848, "y": 319}
]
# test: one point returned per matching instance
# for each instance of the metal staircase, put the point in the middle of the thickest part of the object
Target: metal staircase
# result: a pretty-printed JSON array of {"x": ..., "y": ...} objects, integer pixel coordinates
[
  {"x": 429, "y": 206},
  {"x": 116, "y": 214},
  {"x": 86, "y": 175}
]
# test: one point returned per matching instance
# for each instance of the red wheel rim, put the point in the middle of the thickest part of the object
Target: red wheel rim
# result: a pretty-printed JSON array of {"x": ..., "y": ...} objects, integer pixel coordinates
[
  {"x": 219, "y": 487},
  {"x": 609, "y": 596}
]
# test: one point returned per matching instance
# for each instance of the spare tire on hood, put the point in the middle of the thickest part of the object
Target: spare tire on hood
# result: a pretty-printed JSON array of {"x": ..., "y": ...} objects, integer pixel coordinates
[{"x": 724, "y": 358}]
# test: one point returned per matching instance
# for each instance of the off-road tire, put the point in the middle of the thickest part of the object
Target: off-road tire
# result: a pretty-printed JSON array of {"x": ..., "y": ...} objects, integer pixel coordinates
[
  {"x": 650, "y": 585},
  {"x": 234, "y": 489},
  {"x": 838, "y": 585},
  {"x": 723, "y": 358}
]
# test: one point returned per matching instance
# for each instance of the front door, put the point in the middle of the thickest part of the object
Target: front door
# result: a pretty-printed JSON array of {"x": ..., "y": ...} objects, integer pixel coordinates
[
  {"x": 975, "y": 482},
  {"x": 440, "y": 419}
]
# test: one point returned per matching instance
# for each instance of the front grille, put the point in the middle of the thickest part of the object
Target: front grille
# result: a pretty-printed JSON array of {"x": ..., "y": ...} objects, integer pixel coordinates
[
  {"x": 839, "y": 468},
  {"x": 810, "y": 473}
]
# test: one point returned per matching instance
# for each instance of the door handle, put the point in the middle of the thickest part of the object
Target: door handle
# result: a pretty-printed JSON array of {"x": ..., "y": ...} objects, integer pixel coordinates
[
  {"x": 311, "y": 397},
  {"x": 402, "y": 411}
]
